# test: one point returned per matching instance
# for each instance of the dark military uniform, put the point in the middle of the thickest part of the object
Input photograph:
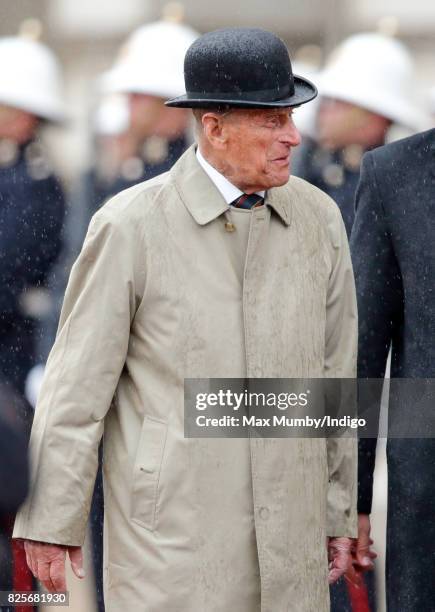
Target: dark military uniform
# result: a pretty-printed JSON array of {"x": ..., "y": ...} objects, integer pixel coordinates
[
  {"x": 31, "y": 217},
  {"x": 158, "y": 155},
  {"x": 334, "y": 172}
]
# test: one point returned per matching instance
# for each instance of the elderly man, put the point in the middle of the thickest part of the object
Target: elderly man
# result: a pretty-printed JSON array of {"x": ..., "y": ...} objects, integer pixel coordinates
[{"x": 179, "y": 278}]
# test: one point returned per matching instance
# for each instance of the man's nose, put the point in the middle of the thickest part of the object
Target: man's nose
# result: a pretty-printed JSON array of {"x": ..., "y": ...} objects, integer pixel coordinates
[{"x": 291, "y": 134}]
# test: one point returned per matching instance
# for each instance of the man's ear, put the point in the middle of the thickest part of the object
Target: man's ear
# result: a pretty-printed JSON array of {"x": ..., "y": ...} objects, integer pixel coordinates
[{"x": 214, "y": 129}]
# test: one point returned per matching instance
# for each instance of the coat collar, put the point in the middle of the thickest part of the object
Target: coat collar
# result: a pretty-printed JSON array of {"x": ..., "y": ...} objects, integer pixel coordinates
[
  {"x": 278, "y": 199},
  {"x": 202, "y": 198}
]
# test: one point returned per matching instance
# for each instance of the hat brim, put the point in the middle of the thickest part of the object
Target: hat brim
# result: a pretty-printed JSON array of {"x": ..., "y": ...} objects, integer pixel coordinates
[{"x": 305, "y": 91}]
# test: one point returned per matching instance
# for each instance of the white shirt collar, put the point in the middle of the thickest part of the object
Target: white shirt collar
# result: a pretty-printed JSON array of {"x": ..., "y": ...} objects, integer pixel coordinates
[{"x": 229, "y": 191}]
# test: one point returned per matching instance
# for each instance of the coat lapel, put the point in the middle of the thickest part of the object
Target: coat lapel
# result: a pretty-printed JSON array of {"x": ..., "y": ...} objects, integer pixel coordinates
[{"x": 197, "y": 191}]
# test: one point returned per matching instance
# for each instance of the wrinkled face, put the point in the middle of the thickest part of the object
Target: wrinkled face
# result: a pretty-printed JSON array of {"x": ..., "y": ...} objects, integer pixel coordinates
[{"x": 253, "y": 147}]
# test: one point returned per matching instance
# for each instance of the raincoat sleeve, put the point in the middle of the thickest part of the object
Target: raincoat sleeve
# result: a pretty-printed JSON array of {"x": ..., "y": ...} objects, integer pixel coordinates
[
  {"x": 340, "y": 362},
  {"x": 380, "y": 303},
  {"x": 80, "y": 380}
]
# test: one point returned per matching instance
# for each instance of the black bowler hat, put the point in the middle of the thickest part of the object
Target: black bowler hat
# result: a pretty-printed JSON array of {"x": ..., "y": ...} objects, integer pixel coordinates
[{"x": 241, "y": 67}]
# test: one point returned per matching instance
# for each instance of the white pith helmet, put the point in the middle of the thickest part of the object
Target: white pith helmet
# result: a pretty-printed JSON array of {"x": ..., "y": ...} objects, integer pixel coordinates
[
  {"x": 305, "y": 116},
  {"x": 30, "y": 78},
  {"x": 111, "y": 117},
  {"x": 375, "y": 72},
  {"x": 152, "y": 61}
]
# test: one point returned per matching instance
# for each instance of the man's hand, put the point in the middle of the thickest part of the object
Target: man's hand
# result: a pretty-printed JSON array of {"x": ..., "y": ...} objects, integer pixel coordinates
[
  {"x": 47, "y": 563},
  {"x": 363, "y": 555},
  {"x": 339, "y": 557}
]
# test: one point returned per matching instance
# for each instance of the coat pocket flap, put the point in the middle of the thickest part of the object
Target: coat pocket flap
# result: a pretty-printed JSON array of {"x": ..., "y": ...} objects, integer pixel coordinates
[
  {"x": 149, "y": 457},
  {"x": 151, "y": 445}
]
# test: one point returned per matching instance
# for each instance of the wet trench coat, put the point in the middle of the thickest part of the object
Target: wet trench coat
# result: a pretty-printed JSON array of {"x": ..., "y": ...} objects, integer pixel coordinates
[{"x": 197, "y": 525}]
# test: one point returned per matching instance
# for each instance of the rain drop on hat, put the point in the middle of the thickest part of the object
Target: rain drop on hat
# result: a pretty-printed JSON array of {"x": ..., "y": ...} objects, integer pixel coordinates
[{"x": 241, "y": 67}]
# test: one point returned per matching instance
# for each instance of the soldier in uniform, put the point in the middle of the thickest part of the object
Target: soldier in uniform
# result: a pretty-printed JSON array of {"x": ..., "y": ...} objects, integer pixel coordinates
[
  {"x": 31, "y": 217},
  {"x": 364, "y": 91},
  {"x": 31, "y": 199},
  {"x": 148, "y": 70}
]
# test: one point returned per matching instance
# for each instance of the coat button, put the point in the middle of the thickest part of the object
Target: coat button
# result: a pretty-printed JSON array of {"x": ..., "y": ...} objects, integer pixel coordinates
[{"x": 264, "y": 513}]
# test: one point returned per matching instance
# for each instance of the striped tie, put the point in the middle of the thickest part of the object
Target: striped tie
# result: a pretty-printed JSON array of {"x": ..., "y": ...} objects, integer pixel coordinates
[{"x": 248, "y": 201}]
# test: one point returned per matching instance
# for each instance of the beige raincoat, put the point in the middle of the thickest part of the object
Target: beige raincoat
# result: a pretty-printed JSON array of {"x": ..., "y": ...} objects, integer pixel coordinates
[{"x": 197, "y": 525}]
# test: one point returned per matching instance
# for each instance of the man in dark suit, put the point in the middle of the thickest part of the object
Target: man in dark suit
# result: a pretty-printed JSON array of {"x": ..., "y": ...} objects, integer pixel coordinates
[
  {"x": 354, "y": 115},
  {"x": 393, "y": 250}
]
